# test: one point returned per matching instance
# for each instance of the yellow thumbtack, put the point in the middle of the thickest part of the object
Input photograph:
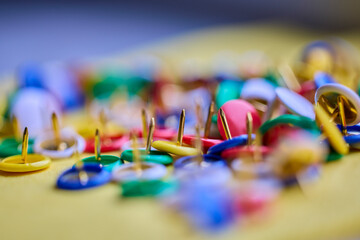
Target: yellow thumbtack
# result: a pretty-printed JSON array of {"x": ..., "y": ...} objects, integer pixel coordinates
[
  {"x": 208, "y": 119},
  {"x": 24, "y": 162},
  {"x": 144, "y": 124},
  {"x": 225, "y": 124},
  {"x": 176, "y": 148},
  {"x": 336, "y": 140}
]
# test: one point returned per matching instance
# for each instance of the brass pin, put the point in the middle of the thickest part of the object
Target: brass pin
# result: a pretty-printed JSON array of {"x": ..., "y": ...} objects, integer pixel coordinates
[
  {"x": 136, "y": 155},
  {"x": 83, "y": 176},
  {"x": 340, "y": 102},
  {"x": 199, "y": 113},
  {"x": 25, "y": 142},
  {"x": 258, "y": 143},
  {"x": 181, "y": 128},
  {"x": 289, "y": 77},
  {"x": 198, "y": 144},
  {"x": 144, "y": 124},
  {"x": 208, "y": 120},
  {"x": 150, "y": 135},
  {"x": 79, "y": 165},
  {"x": 16, "y": 128},
  {"x": 56, "y": 129},
  {"x": 225, "y": 124},
  {"x": 103, "y": 121},
  {"x": 97, "y": 146},
  {"x": 249, "y": 128}
]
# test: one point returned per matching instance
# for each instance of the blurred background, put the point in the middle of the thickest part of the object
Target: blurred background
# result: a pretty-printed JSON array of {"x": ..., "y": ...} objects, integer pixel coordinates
[{"x": 41, "y": 31}]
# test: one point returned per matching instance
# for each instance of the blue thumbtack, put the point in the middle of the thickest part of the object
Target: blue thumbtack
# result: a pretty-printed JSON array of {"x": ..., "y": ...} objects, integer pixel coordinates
[{"x": 83, "y": 176}]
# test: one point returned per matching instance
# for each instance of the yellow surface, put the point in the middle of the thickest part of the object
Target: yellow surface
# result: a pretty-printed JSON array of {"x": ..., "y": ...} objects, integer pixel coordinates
[
  {"x": 331, "y": 131},
  {"x": 15, "y": 163},
  {"x": 173, "y": 148},
  {"x": 32, "y": 208}
]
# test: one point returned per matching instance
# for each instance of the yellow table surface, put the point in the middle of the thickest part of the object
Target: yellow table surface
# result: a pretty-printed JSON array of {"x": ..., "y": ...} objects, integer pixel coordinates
[{"x": 32, "y": 208}]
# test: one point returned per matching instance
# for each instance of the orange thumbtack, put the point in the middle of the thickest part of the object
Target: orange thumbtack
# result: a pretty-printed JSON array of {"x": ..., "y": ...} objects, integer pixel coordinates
[{"x": 24, "y": 162}]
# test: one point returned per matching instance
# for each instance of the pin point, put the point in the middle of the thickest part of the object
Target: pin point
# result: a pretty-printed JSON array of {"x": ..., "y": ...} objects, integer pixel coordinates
[
  {"x": 333, "y": 134},
  {"x": 230, "y": 142},
  {"x": 24, "y": 162},
  {"x": 109, "y": 162},
  {"x": 205, "y": 140},
  {"x": 253, "y": 151},
  {"x": 341, "y": 103},
  {"x": 12, "y": 145},
  {"x": 148, "y": 155},
  {"x": 295, "y": 103},
  {"x": 236, "y": 111},
  {"x": 138, "y": 170},
  {"x": 176, "y": 148}
]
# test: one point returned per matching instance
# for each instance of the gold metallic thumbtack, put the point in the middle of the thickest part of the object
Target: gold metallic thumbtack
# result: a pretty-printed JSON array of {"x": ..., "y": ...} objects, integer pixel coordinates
[
  {"x": 199, "y": 114},
  {"x": 208, "y": 119},
  {"x": 225, "y": 124},
  {"x": 198, "y": 144},
  {"x": 103, "y": 121},
  {"x": 144, "y": 123},
  {"x": 136, "y": 155},
  {"x": 97, "y": 146},
  {"x": 181, "y": 128},
  {"x": 16, "y": 128},
  {"x": 56, "y": 129},
  {"x": 340, "y": 102},
  {"x": 25, "y": 142},
  {"x": 150, "y": 135},
  {"x": 249, "y": 128}
]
